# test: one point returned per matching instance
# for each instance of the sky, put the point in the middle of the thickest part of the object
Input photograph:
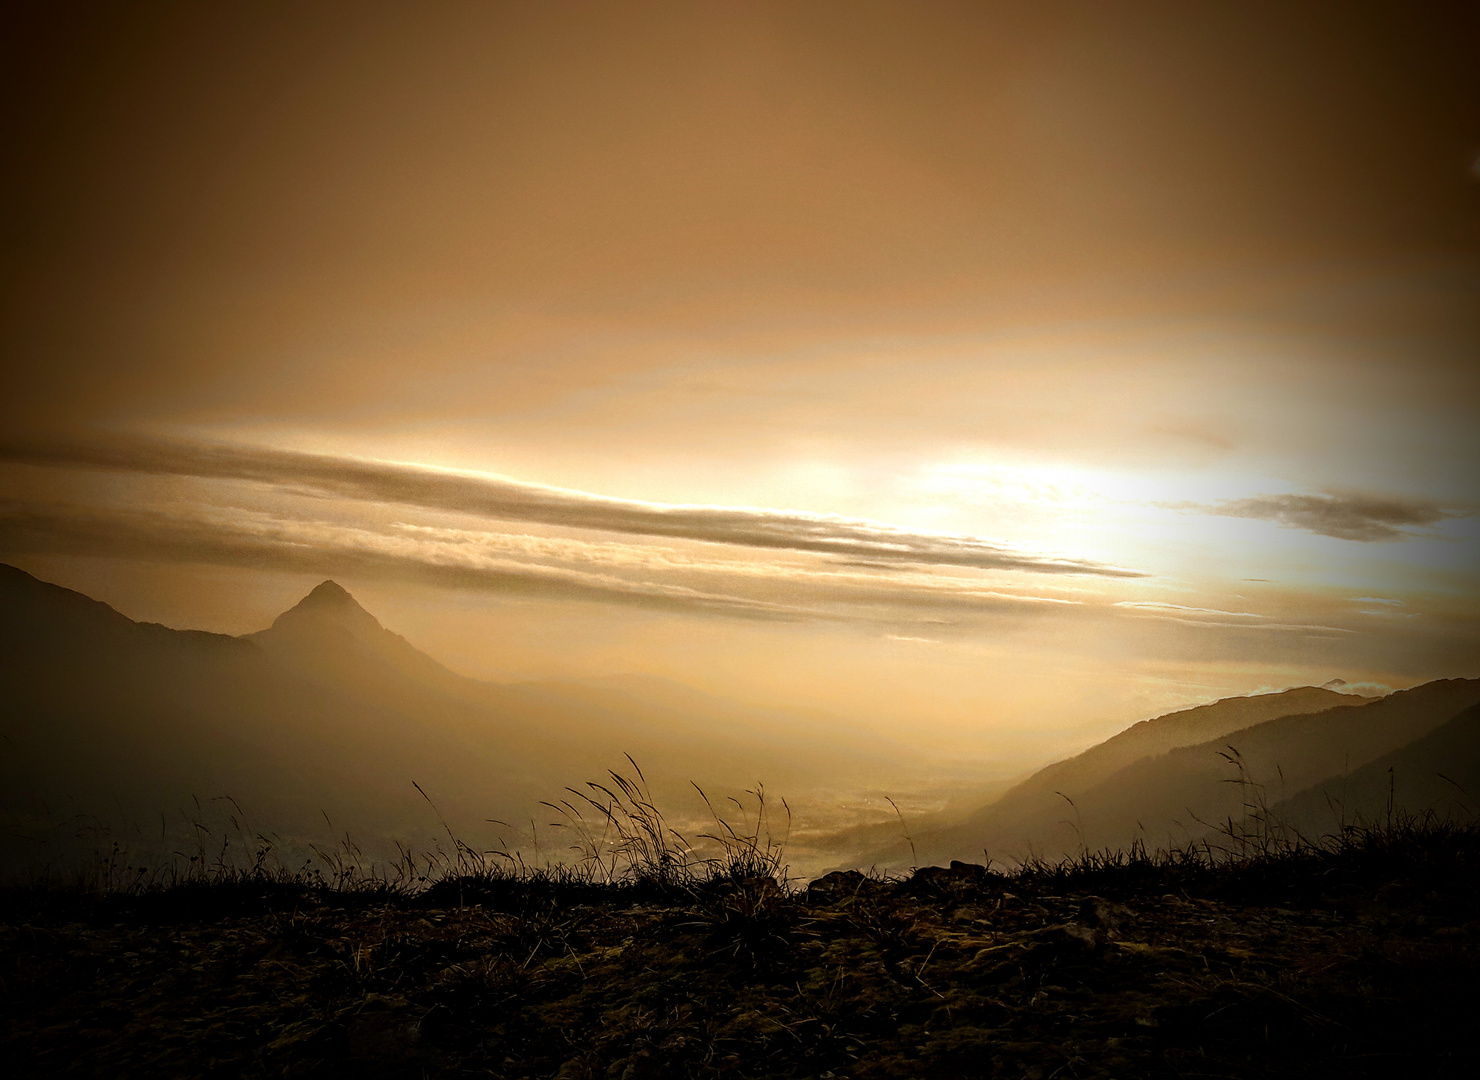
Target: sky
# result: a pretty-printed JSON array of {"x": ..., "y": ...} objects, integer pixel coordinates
[{"x": 992, "y": 374}]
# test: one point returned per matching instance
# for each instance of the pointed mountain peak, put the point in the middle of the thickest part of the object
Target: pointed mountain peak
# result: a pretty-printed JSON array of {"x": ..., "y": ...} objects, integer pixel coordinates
[
  {"x": 329, "y": 594},
  {"x": 328, "y": 635},
  {"x": 330, "y": 602}
]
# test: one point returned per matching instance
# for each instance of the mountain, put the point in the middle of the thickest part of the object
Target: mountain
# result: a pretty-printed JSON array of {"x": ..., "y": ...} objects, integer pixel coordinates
[
  {"x": 1021, "y": 814},
  {"x": 1187, "y": 792},
  {"x": 115, "y": 721},
  {"x": 328, "y": 714},
  {"x": 328, "y": 638}
]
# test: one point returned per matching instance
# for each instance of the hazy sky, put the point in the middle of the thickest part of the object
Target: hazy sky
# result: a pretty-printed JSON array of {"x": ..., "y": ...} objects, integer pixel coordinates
[{"x": 995, "y": 373}]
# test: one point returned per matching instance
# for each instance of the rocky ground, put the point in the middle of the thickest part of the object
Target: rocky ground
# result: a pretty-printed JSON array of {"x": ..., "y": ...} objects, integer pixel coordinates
[{"x": 1357, "y": 961}]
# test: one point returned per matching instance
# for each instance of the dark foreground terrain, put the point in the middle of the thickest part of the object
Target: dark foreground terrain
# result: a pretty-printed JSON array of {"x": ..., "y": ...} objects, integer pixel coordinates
[{"x": 1356, "y": 960}]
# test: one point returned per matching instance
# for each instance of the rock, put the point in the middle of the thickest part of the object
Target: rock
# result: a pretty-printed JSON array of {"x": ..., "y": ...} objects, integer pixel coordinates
[
  {"x": 1083, "y": 936},
  {"x": 931, "y": 875},
  {"x": 956, "y": 873},
  {"x": 1104, "y": 914},
  {"x": 1072, "y": 937},
  {"x": 575, "y": 1068},
  {"x": 838, "y": 883}
]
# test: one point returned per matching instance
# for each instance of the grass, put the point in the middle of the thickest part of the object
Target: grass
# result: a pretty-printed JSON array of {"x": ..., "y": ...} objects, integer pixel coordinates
[{"x": 621, "y": 844}]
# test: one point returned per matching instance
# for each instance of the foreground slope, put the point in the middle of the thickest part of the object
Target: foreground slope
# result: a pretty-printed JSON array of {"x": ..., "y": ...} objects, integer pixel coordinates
[{"x": 1353, "y": 962}]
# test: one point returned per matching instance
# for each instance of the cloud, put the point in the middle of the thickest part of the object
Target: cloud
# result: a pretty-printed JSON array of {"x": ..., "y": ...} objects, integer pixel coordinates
[
  {"x": 638, "y": 573},
  {"x": 1162, "y": 608},
  {"x": 500, "y": 498},
  {"x": 1364, "y": 518}
]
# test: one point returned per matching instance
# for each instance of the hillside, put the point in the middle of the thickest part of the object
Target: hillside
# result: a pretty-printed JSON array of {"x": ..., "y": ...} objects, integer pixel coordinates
[
  {"x": 1184, "y": 793},
  {"x": 317, "y": 727},
  {"x": 119, "y": 722},
  {"x": 1437, "y": 774},
  {"x": 1023, "y": 813},
  {"x": 1165, "y": 799}
]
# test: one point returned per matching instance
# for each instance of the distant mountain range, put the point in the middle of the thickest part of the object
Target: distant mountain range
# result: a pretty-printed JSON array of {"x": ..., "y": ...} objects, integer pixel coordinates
[{"x": 328, "y": 717}]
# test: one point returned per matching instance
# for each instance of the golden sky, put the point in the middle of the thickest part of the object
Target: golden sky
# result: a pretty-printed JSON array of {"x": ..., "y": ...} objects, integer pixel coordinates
[{"x": 993, "y": 373}]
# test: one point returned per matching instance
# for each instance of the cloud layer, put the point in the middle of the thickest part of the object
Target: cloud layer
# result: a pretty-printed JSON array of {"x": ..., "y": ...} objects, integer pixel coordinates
[
  {"x": 510, "y": 500},
  {"x": 339, "y": 515}
]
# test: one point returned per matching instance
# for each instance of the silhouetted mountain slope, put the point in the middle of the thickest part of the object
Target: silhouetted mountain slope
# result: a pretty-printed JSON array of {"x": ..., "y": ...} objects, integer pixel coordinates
[
  {"x": 1021, "y": 810},
  {"x": 575, "y": 727},
  {"x": 1438, "y": 773},
  {"x": 1189, "y": 791},
  {"x": 1186, "y": 791},
  {"x": 1187, "y": 727}
]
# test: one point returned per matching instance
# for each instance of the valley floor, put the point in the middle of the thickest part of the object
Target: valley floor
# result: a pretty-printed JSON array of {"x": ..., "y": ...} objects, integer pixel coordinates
[{"x": 1360, "y": 960}]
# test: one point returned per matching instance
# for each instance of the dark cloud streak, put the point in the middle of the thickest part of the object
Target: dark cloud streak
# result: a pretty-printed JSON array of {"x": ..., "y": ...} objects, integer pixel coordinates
[{"x": 1363, "y": 518}]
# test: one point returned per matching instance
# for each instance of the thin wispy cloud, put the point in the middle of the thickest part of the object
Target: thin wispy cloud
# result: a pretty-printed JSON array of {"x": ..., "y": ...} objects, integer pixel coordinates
[
  {"x": 1221, "y": 619},
  {"x": 1164, "y": 608},
  {"x": 499, "y": 498},
  {"x": 1363, "y": 518}
]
